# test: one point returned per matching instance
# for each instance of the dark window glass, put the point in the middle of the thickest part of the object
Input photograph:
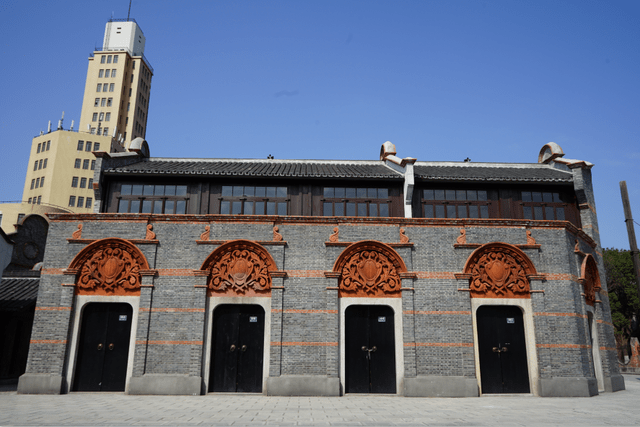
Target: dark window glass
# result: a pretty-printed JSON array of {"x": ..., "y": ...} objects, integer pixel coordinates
[
  {"x": 181, "y": 190},
  {"x": 225, "y": 207},
  {"x": 236, "y": 207},
  {"x": 482, "y": 196},
  {"x": 181, "y": 207},
  {"x": 327, "y": 209},
  {"x": 362, "y": 209},
  {"x": 259, "y": 208},
  {"x": 148, "y": 190},
  {"x": 248, "y": 208},
  {"x": 462, "y": 211},
  {"x": 282, "y": 192},
  {"x": 548, "y": 212},
  {"x": 560, "y": 214},
  {"x": 123, "y": 206},
  {"x": 450, "y": 194},
  {"x": 146, "y": 206},
  {"x": 361, "y": 193},
  {"x": 169, "y": 205},
  {"x": 350, "y": 193},
  {"x": 271, "y": 192},
  {"x": 428, "y": 195},
  {"x": 484, "y": 211},
  {"x": 238, "y": 190},
  {"x": 439, "y": 211},
  {"x": 328, "y": 192},
  {"x": 383, "y": 193},
  {"x": 136, "y": 189},
  {"x": 282, "y": 208},
  {"x": 537, "y": 212},
  {"x": 472, "y": 195},
  {"x": 351, "y": 209},
  {"x": 556, "y": 198},
  {"x": 536, "y": 196},
  {"x": 159, "y": 190},
  {"x": 157, "y": 207},
  {"x": 249, "y": 191},
  {"x": 439, "y": 195},
  {"x": 125, "y": 189},
  {"x": 261, "y": 192},
  {"x": 169, "y": 190},
  {"x": 339, "y": 209},
  {"x": 135, "y": 206},
  {"x": 340, "y": 192},
  {"x": 526, "y": 196},
  {"x": 271, "y": 208},
  {"x": 372, "y": 193},
  {"x": 461, "y": 195},
  {"x": 384, "y": 209},
  {"x": 451, "y": 211},
  {"x": 473, "y": 211},
  {"x": 373, "y": 209},
  {"x": 227, "y": 190},
  {"x": 527, "y": 212},
  {"x": 428, "y": 211},
  {"x": 547, "y": 197}
]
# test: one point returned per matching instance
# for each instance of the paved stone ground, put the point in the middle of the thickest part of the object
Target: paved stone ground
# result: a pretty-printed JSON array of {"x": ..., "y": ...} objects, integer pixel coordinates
[{"x": 618, "y": 409}]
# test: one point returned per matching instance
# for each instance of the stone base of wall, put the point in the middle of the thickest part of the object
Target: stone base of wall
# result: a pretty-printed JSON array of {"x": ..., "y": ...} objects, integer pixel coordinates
[
  {"x": 303, "y": 385},
  {"x": 165, "y": 384},
  {"x": 40, "y": 384},
  {"x": 614, "y": 383},
  {"x": 568, "y": 387},
  {"x": 432, "y": 386}
]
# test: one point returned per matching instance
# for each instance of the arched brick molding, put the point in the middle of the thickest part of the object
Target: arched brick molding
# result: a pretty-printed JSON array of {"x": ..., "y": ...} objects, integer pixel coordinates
[
  {"x": 499, "y": 270},
  {"x": 239, "y": 268},
  {"x": 109, "y": 267},
  {"x": 590, "y": 279},
  {"x": 369, "y": 269}
]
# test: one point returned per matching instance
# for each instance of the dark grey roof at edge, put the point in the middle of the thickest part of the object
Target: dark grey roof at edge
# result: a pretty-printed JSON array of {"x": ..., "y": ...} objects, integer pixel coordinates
[
  {"x": 259, "y": 168},
  {"x": 502, "y": 173},
  {"x": 17, "y": 293}
]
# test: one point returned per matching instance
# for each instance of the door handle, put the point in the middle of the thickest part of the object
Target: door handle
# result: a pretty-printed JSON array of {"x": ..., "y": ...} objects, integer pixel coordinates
[
  {"x": 500, "y": 349},
  {"x": 243, "y": 348},
  {"x": 111, "y": 346},
  {"x": 232, "y": 348},
  {"x": 100, "y": 346}
]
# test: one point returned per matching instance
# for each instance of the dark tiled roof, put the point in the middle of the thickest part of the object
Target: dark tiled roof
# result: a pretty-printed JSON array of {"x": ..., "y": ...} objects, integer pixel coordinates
[
  {"x": 18, "y": 293},
  {"x": 248, "y": 168},
  {"x": 491, "y": 173}
]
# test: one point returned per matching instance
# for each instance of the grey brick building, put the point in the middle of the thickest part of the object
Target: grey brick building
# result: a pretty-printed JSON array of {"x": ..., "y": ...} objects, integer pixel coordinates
[{"x": 298, "y": 277}]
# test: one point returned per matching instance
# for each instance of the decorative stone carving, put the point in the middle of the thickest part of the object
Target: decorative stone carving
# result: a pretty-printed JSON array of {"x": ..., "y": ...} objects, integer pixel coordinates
[
  {"x": 334, "y": 237},
  {"x": 111, "y": 266},
  {"x": 205, "y": 235},
  {"x": 150, "y": 234},
  {"x": 462, "y": 238},
  {"x": 403, "y": 237},
  {"x": 239, "y": 267},
  {"x": 78, "y": 233},
  {"x": 530, "y": 239},
  {"x": 590, "y": 279},
  {"x": 277, "y": 237},
  {"x": 370, "y": 273},
  {"x": 499, "y": 270}
]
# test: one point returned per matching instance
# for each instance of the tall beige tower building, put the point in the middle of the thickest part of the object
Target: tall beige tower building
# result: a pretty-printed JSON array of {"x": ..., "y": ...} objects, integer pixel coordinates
[
  {"x": 61, "y": 164},
  {"x": 118, "y": 86}
]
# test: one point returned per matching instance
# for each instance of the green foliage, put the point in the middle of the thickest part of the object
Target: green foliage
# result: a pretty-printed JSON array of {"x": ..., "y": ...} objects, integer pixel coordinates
[{"x": 623, "y": 290}]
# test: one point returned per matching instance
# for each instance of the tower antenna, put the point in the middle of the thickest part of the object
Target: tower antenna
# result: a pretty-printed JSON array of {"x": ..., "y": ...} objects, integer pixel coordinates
[{"x": 129, "y": 13}]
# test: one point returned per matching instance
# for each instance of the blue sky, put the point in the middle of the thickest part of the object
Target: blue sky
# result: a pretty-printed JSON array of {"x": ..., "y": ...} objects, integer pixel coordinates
[{"x": 444, "y": 80}]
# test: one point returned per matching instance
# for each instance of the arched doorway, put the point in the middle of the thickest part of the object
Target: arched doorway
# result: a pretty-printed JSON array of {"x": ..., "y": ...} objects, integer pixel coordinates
[
  {"x": 590, "y": 280},
  {"x": 503, "y": 326},
  {"x": 239, "y": 293},
  {"x": 371, "y": 321},
  {"x": 107, "y": 290}
]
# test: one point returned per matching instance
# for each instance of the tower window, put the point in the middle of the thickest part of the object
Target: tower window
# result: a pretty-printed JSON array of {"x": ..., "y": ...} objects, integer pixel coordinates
[
  {"x": 83, "y": 182},
  {"x": 40, "y": 164},
  {"x": 37, "y": 182},
  {"x": 105, "y": 87},
  {"x": 38, "y": 148},
  {"x": 88, "y": 146},
  {"x": 39, "y": 198},
  {"x": 105, "y": 131},
  {"x": 44, "y": 165},
  {"x": 80, "y": 202},
  {"x": 97, "y": 102},
  {"x": 109, "y": 101},
  {"x": 95, "y": 117},
  {"x": 93, "y": 131},
  {"x": 85, "y": 164},
  {"x": 104, "y": 101},
  {"x": 33, "y": 183},
  {"x": 74, "y": 182},
  {"x": 48, "y": 145},
  {"x": 101, "y": 116},
  {"x": 109, "y": 59},
  {"x": 113, "y": 73},
  {"x": 115, "y": 61},
  {"x": 89, "y": 199},
  {"x": 72, "y": 201},
  {"x": 35, "y": 166},
  {"x": 102, "y": 59},
  {"x": 111, "y": 87},
  {"x": 99, "y": 87},
  {"x": 106, "y": 72},
  {"x": 76, "y": 165},
  {"x": 101, "y": 73},
  {"x": 93, "y": 164},
  {"x": 96, "y": 146},
  {"x": 42, "y": 182}
]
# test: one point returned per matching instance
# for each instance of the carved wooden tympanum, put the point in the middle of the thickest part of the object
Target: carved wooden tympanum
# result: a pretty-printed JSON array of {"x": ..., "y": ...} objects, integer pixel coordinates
[
  {"x": 499, "y": 271},
  {"x": 239, "y": 268},
  {"x": 111, "y": 268},
  {"x": 369, "y": 273}
]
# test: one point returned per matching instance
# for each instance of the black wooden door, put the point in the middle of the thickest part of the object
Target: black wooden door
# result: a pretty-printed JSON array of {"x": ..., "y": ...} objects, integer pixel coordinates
[
  {"x": 370, "y": 360},
  {"x": 238, "y": 345},
  {"x": 103, "y": 349},
  {"x": 502, "y": 349}
]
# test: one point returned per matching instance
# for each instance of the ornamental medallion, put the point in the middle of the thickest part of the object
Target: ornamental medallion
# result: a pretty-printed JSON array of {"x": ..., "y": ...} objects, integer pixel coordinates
[{"x": 369, "y": 273}]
